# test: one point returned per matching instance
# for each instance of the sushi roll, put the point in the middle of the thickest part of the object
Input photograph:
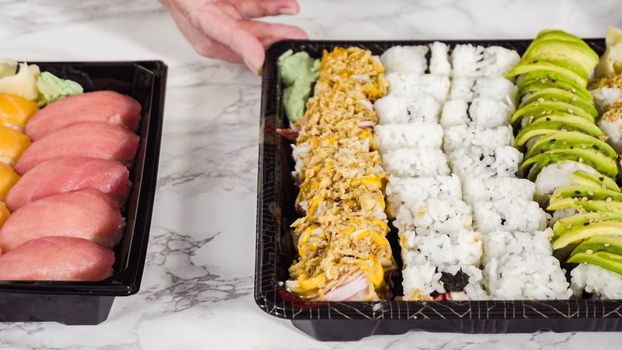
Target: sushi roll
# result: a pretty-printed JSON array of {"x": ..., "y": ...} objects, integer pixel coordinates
[
  {"x": 465, "y": 136},
  {"x": 484, "y": 112},
  {"x": 509, "y": 215},
  {"x": 477, "y": 61},
  {"x": 406, "y": 162},
  {"x": 519, "y": 266},
  {"x": 439, "y": 59},
  {"x": 409, "y": 84},
  {"x": 434, "y": 215},
  {"x": 406, "y": 109},
  {"x": 405, "y": 191},
  {"x": 611, "y": 124},
  {"x": 414, "y": 135},
  {"x": 12, "y": 145},
  {"x": 491, "y": 189},
  {"x": 410, "y": 59},
  {"x": 482, "y": 162},
  {"x": 468, "y": 88}
]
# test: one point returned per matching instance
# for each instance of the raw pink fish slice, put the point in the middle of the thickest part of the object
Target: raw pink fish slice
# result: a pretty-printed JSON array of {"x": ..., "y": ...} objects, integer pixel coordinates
[
  {"x": 87, "y": 214},
  {"x": 63, "y": 175},
  {"x": 93, "y": 140},
  {"x": 100, "y": 106},
  {"x": 57, "y": 259}
]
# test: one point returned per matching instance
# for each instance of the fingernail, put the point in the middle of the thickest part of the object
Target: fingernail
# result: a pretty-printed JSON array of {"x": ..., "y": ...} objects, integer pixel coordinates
[
  {"x": 256, "y": 70},
  {"x": 288, "y": 10}
]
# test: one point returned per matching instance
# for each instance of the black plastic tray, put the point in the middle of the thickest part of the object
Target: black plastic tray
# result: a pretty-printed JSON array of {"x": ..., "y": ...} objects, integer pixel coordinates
[
  {"x": 354, "y": 320},
  {"x": 81, "y": 303}
]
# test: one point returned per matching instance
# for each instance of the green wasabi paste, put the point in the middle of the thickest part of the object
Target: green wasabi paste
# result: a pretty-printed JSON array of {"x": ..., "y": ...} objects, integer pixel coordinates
[{"x": 298, "y": 73}]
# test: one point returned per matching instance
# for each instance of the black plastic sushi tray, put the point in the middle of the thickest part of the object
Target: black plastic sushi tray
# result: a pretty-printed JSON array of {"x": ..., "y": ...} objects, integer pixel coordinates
[
  {"x": 86, "y": 303},
  {"x": 354, "y": 320}
]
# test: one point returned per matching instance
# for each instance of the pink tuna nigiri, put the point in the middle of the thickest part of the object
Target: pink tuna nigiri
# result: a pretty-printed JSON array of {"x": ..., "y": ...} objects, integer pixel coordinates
[
  {"x": 63, "y": 175},
  {"x": 87, "y": 214},
  {"x": 94, "y": 140},
  {"x": 57, "y": 259},
  {"x": 100, "y": 106}
]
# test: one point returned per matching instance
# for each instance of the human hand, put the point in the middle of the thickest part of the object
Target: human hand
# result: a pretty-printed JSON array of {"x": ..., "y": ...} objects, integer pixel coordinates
[{"x": 225, "y": 29}]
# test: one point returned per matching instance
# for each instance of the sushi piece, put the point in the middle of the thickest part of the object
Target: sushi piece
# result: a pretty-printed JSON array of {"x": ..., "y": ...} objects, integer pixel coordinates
[
  {"x": 597, "y": 280},
  {"x": 520, "y": 265},
  {"x": 94, "y": 140},
  {"x": 464, "y": 136},
  {"x": 497, "y": 88},
  {"x": 484, "y": 112},
  {"x": 86, "y": 214},
  {"x": 407, "y": 162},
  {"x": 12, "y": 144},
  {"x": 405, "y": 59},
  {"x": 99, "y": 106},
  {"x": 558, "y": 175},
  {"x": 8, "y": 179},
  {"x": 4, "y": 213},
  {"x": 15, "y": 111},
  {"x": 409, "y": 84},
  {"x": 414, "y": 135},
  {"x": 439, "y": 59},
  {"x": 497, "y": 188},
  {"x": 63, "y": 175},
  {"x": 402, "y": 109},
  {"x": 509, "y": 215},
  {"x": 481, "y": 162},
  {"x": 444, "y": 216},
  {"x": 477, "y": 61},
  {"x": 405, "y": 191},
  {"x": 57, "y": 259}
]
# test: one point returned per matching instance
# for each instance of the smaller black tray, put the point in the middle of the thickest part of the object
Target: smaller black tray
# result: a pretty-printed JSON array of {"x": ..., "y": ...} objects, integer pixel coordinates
[
  {"x": 354, "y": 320},
  {"x": 82, "y": 303}
]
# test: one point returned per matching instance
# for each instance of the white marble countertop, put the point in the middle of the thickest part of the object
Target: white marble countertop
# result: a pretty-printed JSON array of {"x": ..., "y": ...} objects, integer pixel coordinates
[{"x": 198, "y": 283}]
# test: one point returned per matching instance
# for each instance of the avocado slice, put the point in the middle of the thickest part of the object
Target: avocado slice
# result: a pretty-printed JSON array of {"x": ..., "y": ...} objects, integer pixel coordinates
[
  {"x": 586, "y": 206},
  {"x": 590, "y": 156},
  {"x": 606, "y": 260},
  {"x": 604, "y": 243},
  {"x": 580, "y": 220},
  {"x": 581, "y": 177},
  {"x": 535, "y": 81},
  {"x": 542, "y": 108},
  {"x": 545, "y": 67},
  {"x": 586, "y": 193},
  {"x": 570, "y": 140},
  {"x": 579, "y": 234},
  {"x": 559, "y": 95},
  {"x": 557, "y": 34},
  {"x": 554, "y": 122},
  {"x": 573, "y": 55}
]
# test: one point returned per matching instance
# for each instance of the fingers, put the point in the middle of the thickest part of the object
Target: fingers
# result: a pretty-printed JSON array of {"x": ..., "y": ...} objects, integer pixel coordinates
[
  {"x": 263, "y": 8},
  {"x": 231, "y": 33},
  {"x": 269, "y": 33}
]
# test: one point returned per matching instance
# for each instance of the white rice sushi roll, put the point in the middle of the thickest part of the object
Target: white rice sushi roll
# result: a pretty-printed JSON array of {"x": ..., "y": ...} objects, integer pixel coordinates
[
  {"x": 509, "y": 215},
  {"x": 496, "y": 188},
  {"x": 520, "y": 265},
  {"x": 488, "y": 112},
  {"x": 402, "y": 191},
  {"x": 421, "y": 278},
  {"x": 410, "y": 162},
  {"x": 498, "y": 88},
  {"x": 439, "y": 60},
  {"x": 463, "y": 247},
  {"x": 494, "y": 61},
  {"x": 481, "y": 162},
  {"x": 411, "y": 84},
  {"x": 557, "y": 175},
  {"x": 410, "y": 59},
  {"x": 464, "y": 136},
  {"x": 443, "y": 216},
  {"x": 407, "y": 109},
  {"x": 597, "y": 280},
  {"x": 455, "y": 112},
  {"x": 414, "y": 135}
]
